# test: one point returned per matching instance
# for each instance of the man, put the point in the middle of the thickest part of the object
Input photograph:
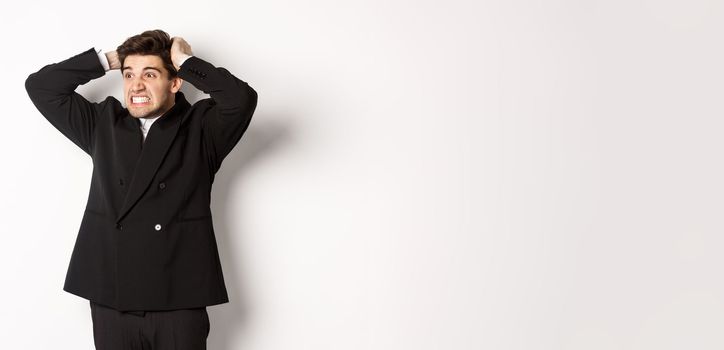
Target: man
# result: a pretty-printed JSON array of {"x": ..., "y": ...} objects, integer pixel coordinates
[{"x": 146, "y": 254}]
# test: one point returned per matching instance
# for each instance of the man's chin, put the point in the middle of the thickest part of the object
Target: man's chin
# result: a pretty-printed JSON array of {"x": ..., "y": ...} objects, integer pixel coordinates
[{"x": 141, "y": 113}]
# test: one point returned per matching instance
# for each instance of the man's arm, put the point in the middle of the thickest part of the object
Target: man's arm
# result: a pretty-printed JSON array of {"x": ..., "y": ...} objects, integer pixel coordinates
[
  {"x": 110, "y": 60},
  {"x": 234, "y": 101},
  {"x": 52, "y": 91}
]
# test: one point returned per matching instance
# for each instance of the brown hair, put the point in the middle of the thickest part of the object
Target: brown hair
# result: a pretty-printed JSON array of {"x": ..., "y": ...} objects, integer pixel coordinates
[{"x": 151, "y": 42}]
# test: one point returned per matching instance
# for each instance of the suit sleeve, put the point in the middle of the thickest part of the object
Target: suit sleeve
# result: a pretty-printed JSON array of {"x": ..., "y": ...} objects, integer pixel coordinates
[
  {"x": 232, "y": 104},
  {"x": 52, "y": 91}
]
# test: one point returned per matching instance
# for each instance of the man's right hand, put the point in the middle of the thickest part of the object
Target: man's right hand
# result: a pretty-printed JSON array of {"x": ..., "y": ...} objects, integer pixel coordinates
[{"x": 113, "y": 61}]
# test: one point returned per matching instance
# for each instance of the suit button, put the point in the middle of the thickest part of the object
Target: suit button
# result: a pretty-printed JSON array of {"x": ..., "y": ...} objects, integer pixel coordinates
[
  {"x": 162, "y": 185},
  {"x": 119, "y": 226},
  {"x": 120, "y": 182},
  {"x": 158, "y": 227}
]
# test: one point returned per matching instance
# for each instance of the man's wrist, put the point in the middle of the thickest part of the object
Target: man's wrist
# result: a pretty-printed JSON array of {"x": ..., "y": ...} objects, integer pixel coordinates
[
  {"x": 113, "y": 62},
  {"x": 104, "y": 60},
  {"x": 183, "y": 59}
]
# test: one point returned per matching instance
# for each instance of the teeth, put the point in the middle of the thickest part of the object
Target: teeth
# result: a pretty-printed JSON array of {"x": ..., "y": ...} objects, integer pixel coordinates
[{"x": 140, "y": 99}]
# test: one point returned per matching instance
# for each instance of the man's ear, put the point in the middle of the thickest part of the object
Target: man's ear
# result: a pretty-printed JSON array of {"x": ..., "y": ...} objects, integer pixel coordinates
[{"x": 176, "y": 84}]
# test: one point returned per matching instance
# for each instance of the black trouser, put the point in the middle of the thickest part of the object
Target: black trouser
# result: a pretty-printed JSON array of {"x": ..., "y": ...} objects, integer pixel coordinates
[{"x": 149, "y": 330}]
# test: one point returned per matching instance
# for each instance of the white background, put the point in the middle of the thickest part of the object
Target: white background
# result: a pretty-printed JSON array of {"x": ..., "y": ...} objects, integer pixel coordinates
[{"x": 427, "y": 175}]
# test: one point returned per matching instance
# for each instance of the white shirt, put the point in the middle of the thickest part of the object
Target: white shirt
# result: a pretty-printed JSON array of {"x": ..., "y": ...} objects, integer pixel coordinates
[
  {"x": 145, "y": 122},
  {"x": 146, "y": 125}
]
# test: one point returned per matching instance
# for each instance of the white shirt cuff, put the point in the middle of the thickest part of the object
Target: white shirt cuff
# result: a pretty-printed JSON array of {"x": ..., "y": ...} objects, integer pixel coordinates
[
  {"x": 184, "y": 60},
  {"x": 104, "y": 60}
]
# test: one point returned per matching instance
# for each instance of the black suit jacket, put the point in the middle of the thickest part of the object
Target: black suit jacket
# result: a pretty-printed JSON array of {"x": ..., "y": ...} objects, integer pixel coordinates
[{"x": 146, "y": 241}]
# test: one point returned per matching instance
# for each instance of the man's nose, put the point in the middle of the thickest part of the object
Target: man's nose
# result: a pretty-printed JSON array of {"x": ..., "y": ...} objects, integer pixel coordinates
[{"x": 137, "y": 85}]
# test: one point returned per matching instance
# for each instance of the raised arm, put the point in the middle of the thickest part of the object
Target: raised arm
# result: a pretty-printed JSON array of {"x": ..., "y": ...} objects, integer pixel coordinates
[
  {"x": 52, "y": 91},
  {"x": 232, "y": 101}
]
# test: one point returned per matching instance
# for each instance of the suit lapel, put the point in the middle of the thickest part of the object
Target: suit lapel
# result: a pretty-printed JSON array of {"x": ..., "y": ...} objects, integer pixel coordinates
[
  {"x": 159, "y": 139},
  {"x": 128, "y": 142}
]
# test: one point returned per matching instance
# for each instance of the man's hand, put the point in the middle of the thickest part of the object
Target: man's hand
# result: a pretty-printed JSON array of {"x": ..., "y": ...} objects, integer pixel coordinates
[
  {"x": 180, "y": 51},
  {"x": 113, "y": 61}
]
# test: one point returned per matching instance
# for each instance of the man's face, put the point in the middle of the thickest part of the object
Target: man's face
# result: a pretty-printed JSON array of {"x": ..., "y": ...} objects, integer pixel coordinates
[{"x": 147, "y": 90}]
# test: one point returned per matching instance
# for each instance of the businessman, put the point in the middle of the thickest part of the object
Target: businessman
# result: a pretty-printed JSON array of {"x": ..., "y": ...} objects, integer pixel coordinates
[{"x": 146, "y": 256}]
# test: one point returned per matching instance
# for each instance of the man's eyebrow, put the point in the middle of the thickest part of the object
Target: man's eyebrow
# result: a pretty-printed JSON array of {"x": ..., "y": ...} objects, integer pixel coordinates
[{"x": 154, "y": 68}]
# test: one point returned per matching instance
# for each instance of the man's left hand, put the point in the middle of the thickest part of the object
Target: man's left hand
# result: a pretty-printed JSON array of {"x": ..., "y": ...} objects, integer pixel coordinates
[{"x": 180, "y": 51}]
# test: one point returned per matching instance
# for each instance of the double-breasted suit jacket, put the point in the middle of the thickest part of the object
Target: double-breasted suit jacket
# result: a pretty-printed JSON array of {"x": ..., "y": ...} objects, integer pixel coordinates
[{"x": 146, "y": 240}]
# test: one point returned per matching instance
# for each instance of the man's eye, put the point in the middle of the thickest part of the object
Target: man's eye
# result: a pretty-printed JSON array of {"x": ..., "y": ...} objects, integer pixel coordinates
[
  {"x": 150, "y": 75},
  {"x": 127, "y": 75}
]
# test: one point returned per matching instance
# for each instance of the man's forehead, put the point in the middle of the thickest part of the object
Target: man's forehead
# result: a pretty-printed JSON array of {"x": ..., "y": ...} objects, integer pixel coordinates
[{"x": 143, "y": 62}]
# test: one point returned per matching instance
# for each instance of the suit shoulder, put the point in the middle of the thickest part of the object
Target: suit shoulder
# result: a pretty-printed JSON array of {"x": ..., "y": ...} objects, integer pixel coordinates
[
  {"x": 112, "y": 104},
  {"x": 111, "y": 108},
  {"x": 202, "y": 107},
  {"x": 203, "y": 103}
]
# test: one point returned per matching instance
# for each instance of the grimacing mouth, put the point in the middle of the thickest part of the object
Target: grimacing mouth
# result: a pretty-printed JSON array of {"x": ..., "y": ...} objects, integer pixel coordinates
[{"x": 139, "y": 99}]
